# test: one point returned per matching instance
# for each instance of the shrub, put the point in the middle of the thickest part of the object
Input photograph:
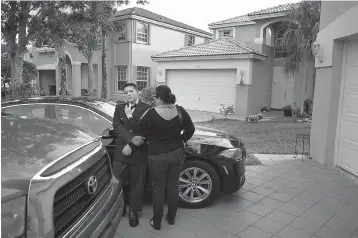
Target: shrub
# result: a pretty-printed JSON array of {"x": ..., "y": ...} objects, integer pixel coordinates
[
  {"x": 254, "y": 118},
  {"x": 147, "y": 95},
  {"x": 264, "y": 109},
  {"x": 226, "y": 110},
  {"x": 287, "y": 110}
]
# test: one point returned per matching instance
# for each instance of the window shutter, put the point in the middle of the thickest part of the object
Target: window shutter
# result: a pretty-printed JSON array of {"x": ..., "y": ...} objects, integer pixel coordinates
[
  {"x": 148, "y": 81},
  {"x": 149, "y": 26},
  {"x": 186, "y": 40},
  {"x": 134, "y": 35},
  {"x": 134, "y": 77}
]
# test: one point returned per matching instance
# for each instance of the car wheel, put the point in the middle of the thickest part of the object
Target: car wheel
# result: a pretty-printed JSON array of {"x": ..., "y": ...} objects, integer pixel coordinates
[{"x": 198, "y": 185}]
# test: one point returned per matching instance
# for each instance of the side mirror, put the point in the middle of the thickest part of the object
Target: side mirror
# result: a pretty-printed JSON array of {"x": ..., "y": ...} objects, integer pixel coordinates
[{"x": 108, "y": 134}]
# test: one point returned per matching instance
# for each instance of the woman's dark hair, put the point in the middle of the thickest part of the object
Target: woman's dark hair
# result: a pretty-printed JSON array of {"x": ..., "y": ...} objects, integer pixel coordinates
[{"x": 165, "y": 94}]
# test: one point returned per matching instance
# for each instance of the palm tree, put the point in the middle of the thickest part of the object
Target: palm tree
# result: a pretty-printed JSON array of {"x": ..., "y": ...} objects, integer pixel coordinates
[{"x": 301, "y": 33}]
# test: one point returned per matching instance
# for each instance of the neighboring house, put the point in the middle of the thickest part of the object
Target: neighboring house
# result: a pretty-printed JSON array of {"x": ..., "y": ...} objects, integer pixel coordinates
[
  {"x": 139, "y": 35},
  {"x": 334, "y": 130},
  {"x": 245, "y": 71}
]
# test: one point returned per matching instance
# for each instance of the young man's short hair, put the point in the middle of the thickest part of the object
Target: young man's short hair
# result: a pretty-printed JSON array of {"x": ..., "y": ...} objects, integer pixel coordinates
[{"x": 130, "y": 85}]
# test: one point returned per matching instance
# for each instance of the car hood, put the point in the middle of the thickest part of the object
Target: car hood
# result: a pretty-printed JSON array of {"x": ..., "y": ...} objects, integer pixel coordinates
[
  {"x": 213, "y": 137},
  {"x": 28, "y": 145}
]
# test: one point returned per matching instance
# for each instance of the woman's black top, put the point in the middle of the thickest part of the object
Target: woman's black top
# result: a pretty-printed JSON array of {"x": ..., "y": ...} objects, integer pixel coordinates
[{"x": 165, "y": 135}]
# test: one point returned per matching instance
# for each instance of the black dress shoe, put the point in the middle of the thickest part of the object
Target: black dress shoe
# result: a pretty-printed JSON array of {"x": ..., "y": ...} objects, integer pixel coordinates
[
  {"x": 170, "y": 221},
  {"x": 124, "y": 211},
  {"x": 155, "y": 226},
  {"x": 133, "y": 219}
]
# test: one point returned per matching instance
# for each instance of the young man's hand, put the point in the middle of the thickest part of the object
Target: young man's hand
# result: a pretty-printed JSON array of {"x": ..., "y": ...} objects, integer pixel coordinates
[
  {"x": 128, "y": 111},
  {"x": 127, "y": 150},
  {"x": 138, "y": 140}
]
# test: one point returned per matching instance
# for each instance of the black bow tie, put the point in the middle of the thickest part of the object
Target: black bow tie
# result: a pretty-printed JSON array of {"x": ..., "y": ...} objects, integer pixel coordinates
[{"x": 133, "y": 106}]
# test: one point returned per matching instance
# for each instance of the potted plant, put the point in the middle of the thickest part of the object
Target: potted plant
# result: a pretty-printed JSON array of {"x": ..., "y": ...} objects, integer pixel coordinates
[{"x": 287, "y": 110}]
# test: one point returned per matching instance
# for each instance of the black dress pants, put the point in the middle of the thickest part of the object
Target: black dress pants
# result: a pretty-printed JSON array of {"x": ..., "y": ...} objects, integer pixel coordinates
[
  {"x": 133, "y": 177},
  {"x": 165, "y": 170}
]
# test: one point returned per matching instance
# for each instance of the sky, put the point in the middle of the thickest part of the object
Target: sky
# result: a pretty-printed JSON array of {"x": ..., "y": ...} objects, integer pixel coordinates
[{"x": 199, "y": 13}]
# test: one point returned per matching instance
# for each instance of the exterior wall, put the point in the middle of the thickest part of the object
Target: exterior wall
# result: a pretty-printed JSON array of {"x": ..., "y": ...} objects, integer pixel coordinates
[
  {"x": 331, "y": 10},
  {"x": 241, "y": 107},
  {"x": 84, "y": 76},
  {"x": 328, "y": 75},
  {"x": 132, "y": 54},
  {"x": 46, "y": 78},
  {"x": 47, "y": 59},
  {"x": 259, "y": 93}
]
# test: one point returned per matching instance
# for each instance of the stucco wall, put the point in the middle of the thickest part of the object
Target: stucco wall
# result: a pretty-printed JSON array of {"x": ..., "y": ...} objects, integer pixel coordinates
[
  {"x": 331, "y": 10},
  {"x": 259, "y": 92},
  {"x": 47, "y": 77},
  {"x": 246, "y": 33},
  {"x": 328, "y": 76},
  {"x": 133, "y": 54}
]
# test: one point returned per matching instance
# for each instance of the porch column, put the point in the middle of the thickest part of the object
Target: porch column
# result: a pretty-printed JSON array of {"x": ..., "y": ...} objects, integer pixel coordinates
[
  {"x": 76, "y": 79},
  {"x": 58, "y": 78}
]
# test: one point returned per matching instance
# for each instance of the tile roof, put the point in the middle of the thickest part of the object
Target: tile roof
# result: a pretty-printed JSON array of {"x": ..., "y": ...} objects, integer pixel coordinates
[
  {"x": 276, "y": 9},
  {"x": 239, "y": 19},
  {"x": 221, "y": 46},
  {"x": 156, "y": 17},
  {"x": 247, "y": 18}
]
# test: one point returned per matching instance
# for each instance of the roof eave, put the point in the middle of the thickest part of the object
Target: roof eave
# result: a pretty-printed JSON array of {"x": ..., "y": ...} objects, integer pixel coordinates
[
  {"x": 136, "y": 17},
  {"x": 252, "y": 20},
  {"x": 269, "y": 15},
  {"x": 210, "y": 57},
  {"x": 216, "y": 26}
]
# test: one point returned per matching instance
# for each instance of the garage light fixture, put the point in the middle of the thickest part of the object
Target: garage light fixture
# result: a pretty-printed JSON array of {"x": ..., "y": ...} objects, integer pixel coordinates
[{"x": 242, "y": 76}]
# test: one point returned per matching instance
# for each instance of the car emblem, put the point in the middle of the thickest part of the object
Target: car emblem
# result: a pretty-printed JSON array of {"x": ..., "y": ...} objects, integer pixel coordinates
[{"x": 92, "y": 184}]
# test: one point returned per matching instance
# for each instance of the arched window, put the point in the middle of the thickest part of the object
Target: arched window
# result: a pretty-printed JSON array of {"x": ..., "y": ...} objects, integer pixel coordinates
[
  {"x": 142, "y": 32},
  {"x": 282, "y": 50}
]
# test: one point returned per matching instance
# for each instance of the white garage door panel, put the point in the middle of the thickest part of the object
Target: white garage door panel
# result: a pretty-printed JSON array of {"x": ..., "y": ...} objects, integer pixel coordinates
[
  {"x": 348, "y": 133},
  {"x": 203, "y": 90}
]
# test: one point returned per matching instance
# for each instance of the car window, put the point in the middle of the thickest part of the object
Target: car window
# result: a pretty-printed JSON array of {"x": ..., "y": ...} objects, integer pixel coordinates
[
  {"x": 24, "y": 111},
  {"x": 82, "y": 117}
]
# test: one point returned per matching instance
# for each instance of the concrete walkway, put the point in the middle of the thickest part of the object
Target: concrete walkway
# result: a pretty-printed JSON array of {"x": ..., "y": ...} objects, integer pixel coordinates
[{"x": 286, "y": 198}]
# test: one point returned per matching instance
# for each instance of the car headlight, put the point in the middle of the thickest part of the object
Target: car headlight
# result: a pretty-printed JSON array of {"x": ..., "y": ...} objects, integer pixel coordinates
[
  {"x": 235, "y": 154},
  {"x": 13, "y": 217}
]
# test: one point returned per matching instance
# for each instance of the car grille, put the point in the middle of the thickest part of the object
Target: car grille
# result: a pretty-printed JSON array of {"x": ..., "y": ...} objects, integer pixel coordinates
[{"x": 72, "y": 200}]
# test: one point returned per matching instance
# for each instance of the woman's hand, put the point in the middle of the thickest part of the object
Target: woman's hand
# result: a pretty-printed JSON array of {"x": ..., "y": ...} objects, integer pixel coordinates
[
  {"x": 138, "y": 140},
  {"x": 127, "y": 150}
]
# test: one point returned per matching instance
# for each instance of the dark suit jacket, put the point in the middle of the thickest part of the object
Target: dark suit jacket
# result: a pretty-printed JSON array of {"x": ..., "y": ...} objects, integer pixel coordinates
[{"x": 125, "y": 129}]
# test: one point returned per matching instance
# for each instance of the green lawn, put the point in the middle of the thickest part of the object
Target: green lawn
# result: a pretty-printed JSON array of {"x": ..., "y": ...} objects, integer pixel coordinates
[{"x": 277, "y": 136}]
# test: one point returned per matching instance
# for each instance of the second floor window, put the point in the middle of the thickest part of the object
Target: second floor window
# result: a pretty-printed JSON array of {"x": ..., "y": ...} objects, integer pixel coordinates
[
  {"x": 121, "y": 29},
  {"x": 282, "y": 50},
  {"x": 122, "y": 77},
  {"x": 227, "y": 32},
  {"x": 142, "y": 77},
  {"x": 142, "y": 32},
  {"x": 191, "y": 40}
]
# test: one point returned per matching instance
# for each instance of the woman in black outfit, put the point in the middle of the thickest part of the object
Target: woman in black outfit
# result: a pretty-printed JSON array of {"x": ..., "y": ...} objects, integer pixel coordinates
[{"x": 162, "y": 127}]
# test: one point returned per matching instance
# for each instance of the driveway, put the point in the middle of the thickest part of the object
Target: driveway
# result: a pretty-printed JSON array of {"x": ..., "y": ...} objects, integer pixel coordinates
[{"x": 286, "y": 198}]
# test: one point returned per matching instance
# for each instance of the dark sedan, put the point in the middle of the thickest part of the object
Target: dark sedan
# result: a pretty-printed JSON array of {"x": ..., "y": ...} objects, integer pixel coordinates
[
  {"x": 215, "y": 161},
  {"x": 56, "y": 181}
]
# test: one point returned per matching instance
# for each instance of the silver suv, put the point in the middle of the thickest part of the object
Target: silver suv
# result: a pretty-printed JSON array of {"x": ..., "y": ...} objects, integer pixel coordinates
[{"x": 56, "y": 181}]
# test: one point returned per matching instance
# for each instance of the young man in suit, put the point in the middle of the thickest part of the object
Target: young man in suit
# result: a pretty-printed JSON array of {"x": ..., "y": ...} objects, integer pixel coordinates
[{"x": 131, "y": 153}]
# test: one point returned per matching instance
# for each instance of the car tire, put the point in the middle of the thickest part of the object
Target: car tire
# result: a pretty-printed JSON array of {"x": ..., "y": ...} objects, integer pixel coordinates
[{"x": 201, "y": 167}]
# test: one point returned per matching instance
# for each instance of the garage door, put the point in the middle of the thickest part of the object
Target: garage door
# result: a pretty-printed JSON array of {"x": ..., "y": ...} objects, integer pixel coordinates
[
  {"x": 348, "y": 123},
  {"x": 203, "y": 90}
]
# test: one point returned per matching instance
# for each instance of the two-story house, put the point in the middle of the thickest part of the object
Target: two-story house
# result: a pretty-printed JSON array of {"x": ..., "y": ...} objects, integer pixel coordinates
[
  {"x": 241, "y": 66},
  {"x": 139, "y": 35}
]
